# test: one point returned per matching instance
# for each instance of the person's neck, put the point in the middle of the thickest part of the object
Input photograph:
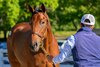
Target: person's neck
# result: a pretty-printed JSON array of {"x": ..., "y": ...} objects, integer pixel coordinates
[{"x": 91, "y": 27}]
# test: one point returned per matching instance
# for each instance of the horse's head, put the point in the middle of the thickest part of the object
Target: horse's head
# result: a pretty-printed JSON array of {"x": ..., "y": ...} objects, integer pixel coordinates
[{"x": 39, "y": 24}]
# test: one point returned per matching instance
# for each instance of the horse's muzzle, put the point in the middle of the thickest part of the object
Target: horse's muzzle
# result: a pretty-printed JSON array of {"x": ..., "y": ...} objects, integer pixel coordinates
[{"x": 34, "y": 47}]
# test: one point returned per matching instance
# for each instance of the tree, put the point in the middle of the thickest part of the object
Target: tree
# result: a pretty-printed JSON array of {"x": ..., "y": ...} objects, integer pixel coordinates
[
  {"x": 69, "y": 12},
  {"x": 15, "y": 11},
  {"x": 24, "y": 15},
  {"x": 9, "y": 12},
  {"x": 63, "y": 14}
]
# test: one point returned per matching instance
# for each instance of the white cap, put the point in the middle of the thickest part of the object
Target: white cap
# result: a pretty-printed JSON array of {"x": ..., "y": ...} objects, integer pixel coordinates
[{"x": 88, "y": 19}]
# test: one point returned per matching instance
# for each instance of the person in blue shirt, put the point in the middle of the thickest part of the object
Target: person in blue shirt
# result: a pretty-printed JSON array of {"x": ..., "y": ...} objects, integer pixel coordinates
[{"x": 84, "y": 46}]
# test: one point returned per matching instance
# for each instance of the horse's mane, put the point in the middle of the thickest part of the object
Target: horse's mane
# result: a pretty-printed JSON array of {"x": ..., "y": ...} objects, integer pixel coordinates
[{"x": 49, "y": 30}]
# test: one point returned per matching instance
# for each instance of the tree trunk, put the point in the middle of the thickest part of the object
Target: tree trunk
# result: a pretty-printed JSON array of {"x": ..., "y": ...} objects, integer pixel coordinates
[
  {"x": 5, "y": 32},
  {"x": 74, "y": 25}
]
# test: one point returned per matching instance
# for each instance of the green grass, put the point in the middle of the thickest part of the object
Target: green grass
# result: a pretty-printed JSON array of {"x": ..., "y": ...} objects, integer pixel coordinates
[
  {"x": 1, "y": 34},
  {"x": 58, "y": 34},
  {"x": 63, "y": 34}
]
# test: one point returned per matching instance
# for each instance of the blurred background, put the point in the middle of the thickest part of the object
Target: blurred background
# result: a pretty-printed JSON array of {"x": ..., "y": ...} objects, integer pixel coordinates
[{"x": 64, "y": 15}]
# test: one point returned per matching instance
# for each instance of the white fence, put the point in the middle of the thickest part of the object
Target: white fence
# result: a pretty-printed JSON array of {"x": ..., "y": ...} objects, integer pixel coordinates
[{"x": 4, "y": 62}]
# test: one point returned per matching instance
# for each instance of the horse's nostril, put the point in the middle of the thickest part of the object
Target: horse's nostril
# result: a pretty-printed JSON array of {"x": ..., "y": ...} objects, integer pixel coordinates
[
  {"x": 32, "y": 46},
  {"x": 36, "y": 44}
]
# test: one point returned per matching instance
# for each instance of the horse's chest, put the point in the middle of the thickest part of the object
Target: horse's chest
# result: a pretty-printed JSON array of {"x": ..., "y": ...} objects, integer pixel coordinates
[
  {"x": 40, "y": 63},
  {"x": 40, "y": 60}
]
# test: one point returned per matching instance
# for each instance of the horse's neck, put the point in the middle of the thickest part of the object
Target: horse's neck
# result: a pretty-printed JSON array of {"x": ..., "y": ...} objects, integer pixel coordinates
[{"x": 49, "y": 41}]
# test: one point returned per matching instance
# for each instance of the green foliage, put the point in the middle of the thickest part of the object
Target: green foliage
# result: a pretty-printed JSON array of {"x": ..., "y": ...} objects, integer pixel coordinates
[
  {"x": 63, "y": 14},
  {"x": 24, "y": 13},
  {"x": 9, "y": 13},
  {"x": 69, "y": 13}
]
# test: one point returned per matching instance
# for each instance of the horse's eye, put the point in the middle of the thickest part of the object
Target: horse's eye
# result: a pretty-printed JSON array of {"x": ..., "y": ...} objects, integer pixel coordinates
[{"x": 42, "y": 22}]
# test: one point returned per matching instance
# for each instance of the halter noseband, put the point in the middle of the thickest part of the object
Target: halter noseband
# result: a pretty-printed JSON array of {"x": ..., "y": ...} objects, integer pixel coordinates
[{"x": 37, "y": 34}]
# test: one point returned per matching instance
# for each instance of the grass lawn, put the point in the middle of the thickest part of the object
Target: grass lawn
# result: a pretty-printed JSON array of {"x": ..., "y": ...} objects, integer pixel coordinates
[
  {"x": 1, "y": 34},
  {"x": 63, "y": 34},
  {"x": 58, "y": 34}
]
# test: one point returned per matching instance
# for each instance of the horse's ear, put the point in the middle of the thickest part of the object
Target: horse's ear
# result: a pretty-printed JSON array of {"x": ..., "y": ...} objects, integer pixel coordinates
[
  {"x": 30, "y": 9},
  {"x": 43, "y": 8},
  {"x": 34, "y": 7}
]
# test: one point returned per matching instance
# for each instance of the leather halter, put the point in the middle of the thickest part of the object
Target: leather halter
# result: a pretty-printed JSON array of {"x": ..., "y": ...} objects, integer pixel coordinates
[
  {"x": 37, "y": 34},
  {"x": 42, "y": 37}
]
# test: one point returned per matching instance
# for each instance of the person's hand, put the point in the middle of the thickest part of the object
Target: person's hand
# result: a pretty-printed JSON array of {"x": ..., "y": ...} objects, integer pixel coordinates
[{"x": 50, "y": 57}]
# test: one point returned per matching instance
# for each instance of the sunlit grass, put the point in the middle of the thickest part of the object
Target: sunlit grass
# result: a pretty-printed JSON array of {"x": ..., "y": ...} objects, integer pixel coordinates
[
  {"x": 57, "y": 34},
  {"x": 1, "y": 34},
  {"x": 63, "y": 34}
]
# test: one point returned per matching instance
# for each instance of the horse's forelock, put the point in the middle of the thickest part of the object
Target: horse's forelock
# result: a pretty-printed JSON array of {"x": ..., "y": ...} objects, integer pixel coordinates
[{"x": 37, "y": 10}]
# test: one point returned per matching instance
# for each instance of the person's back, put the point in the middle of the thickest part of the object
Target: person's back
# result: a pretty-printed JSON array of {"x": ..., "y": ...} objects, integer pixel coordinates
[
  {"x": 86, "y": 51},
  {"x": 84, "y": 46}
]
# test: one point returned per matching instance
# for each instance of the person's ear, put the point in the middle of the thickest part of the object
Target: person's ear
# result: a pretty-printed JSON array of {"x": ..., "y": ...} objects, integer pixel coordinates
[{"x": 92, "y": 27}]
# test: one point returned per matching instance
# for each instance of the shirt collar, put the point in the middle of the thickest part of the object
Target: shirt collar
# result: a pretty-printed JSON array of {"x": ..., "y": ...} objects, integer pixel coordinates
[{"x": 85, "y": 29}]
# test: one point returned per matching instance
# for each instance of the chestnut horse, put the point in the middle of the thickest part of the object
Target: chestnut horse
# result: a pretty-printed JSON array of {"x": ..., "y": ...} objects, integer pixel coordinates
[{"x": 24, "y": 43}]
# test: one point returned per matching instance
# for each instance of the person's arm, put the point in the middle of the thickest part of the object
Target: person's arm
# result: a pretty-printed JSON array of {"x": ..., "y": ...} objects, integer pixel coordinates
[{"x": 65, "y": 50}]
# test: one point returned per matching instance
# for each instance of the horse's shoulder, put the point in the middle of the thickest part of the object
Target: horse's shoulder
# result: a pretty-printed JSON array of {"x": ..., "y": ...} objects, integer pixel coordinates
[{"x": 21, "y": 26}]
